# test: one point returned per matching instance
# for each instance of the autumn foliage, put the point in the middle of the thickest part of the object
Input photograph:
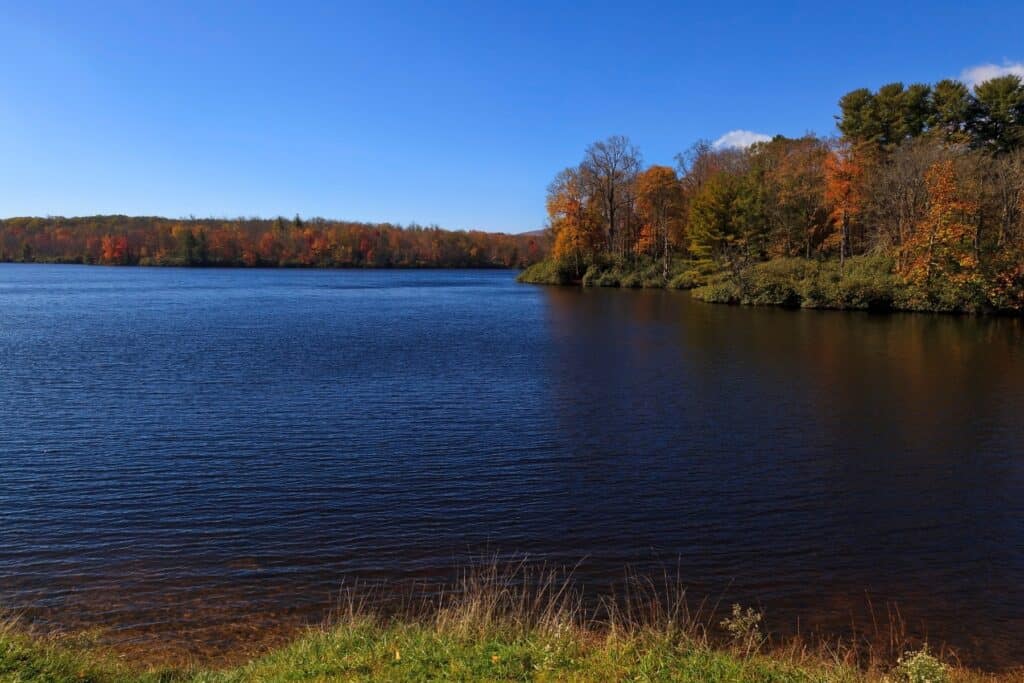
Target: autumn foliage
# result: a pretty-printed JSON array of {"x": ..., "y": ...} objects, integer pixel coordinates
[
  {"x": 944, "y": 243},
  {"x": 660, "y": 205},
  {"x": 574, "y": 221},
  {"x": 920, "y": 204},
  {"x": 124, "y": 240},
  {"x": 844, "y": 194}
]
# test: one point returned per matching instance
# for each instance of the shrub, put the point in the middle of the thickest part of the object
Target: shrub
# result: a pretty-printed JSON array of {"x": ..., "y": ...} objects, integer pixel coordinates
[
  {"x": 611, "y": 277},
  {"x": 632, "y": 280},
  {"x": 548, "y": 272},
  {"x": 821, "y": 291},
  {"x": 719, "y": 291},
  {"x": 651, "y": 275},
  {"x": 862, "y": 294},
  {"x": 777, "y": 283},
  {"x": 921, "y": 667},
  {"x": 866, "y": 282},
  {"x": 744, "y": 628},
  {"x": 688, "y": 279},
  {"x": 942, "y": 295},
  {"x": 590, "y": 277}
]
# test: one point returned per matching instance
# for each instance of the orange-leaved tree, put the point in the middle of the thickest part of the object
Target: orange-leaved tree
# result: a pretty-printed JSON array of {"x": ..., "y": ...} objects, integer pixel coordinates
[
  {"x": 115, "y": 249},
  {"x": 943, "y": 245},
  {"x": 660, "y": 205},
  {"x": 573, "y": 220},
  {"x": 844, "y": 194}
]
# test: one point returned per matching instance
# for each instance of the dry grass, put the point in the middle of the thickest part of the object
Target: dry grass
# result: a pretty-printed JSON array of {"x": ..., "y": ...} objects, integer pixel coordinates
[{"x": 524, "y": 622}]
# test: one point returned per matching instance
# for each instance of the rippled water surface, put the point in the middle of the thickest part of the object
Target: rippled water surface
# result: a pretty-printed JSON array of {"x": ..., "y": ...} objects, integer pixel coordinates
[{"x": 189, "y": 458}]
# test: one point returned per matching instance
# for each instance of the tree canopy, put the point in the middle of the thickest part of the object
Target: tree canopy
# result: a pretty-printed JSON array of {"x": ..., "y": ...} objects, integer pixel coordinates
[
  {"x": 930, "y": 178},
  {"x": 315, "y": 242}
]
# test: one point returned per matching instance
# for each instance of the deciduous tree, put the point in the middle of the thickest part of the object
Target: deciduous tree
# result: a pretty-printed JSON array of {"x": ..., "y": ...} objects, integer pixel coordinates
[
  {"x": 844, "y": 193},
  {"x": 660, "y": 206},
  {"x": 609, "y": 168},
  {"x": 943, "y": 245}
]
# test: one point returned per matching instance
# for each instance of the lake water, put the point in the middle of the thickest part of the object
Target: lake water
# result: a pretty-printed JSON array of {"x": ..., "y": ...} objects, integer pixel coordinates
[{"x": 192, "y": 459}]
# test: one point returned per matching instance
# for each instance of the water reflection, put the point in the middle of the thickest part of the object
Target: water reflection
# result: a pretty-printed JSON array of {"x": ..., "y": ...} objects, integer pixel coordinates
[{"x": 806, "y": 460}]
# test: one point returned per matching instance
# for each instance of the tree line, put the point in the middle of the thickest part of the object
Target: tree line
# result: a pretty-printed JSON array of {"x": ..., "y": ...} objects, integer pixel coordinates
[
  {"x": 278, "y": 242},
  {"x": 926, "y": 182}
]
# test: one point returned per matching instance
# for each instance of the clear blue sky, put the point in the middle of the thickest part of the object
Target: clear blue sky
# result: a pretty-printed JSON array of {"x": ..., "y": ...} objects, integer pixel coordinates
[{"x": 455, "y": 113}]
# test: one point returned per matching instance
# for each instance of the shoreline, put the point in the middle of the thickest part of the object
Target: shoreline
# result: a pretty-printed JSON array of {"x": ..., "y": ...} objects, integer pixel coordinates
[
  {"x": 242, "y": 266},
  {"x": 517, "y": 623},
  {"x": 865, "y": 284}
]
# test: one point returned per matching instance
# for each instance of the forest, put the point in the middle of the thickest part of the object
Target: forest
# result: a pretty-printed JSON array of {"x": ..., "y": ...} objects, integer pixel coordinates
[
  {"x": 916, "y": 204},
  {"x": 280, "y": 242}
]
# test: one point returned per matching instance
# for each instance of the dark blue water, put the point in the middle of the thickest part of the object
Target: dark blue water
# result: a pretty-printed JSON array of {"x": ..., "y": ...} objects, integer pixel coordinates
[{"x": 189, "y": 457}]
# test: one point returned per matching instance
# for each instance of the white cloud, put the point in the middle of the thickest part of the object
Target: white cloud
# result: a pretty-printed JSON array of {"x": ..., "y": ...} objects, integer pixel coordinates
[
  {"x": 739, "y": 139},
  {"x": 983, "y": 72}
]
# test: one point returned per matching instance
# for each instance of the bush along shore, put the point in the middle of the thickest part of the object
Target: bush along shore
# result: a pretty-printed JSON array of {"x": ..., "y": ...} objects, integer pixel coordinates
[
  {"x": 869, "y": 283},
  {"x": 524, "y": 625}
]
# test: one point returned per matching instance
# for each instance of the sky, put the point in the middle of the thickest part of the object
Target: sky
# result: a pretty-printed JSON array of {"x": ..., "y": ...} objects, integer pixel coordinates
[{"x": 450, "y": 113}]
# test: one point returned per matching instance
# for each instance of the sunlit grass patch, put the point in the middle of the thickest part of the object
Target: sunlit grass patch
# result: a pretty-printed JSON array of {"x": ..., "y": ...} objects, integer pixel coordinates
[{"x": 517, "y": 623}]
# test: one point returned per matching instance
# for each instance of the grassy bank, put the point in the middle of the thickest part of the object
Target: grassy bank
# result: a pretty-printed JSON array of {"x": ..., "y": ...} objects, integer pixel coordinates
[
  {"x": 376, "y": 651},
  {"x": 861, "y": 283},
  {"x": 511, "y": 626}
]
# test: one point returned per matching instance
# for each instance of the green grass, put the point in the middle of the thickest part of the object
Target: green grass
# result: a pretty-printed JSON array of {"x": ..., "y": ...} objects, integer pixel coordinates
[
  {"x": 511, "y": 625},
  {"x": 419, "y": 652},
  {"x": 380, "y": 651},
  {"x": 372, "y": 650}
]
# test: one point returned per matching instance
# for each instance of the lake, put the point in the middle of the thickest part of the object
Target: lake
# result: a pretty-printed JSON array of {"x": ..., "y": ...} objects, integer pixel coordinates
[{"x": 195, "y": 459}]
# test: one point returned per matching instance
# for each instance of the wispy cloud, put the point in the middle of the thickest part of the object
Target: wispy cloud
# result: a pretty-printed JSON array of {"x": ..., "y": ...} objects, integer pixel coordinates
[
  {"x": 739, "y": 139},
  {"x": 984, "y": 72}
]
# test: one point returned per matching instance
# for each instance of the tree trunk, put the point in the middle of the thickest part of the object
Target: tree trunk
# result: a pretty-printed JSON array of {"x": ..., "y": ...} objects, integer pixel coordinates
[
  {"x": 843, "y": 239},
  {"x": 664, "y": 266}
]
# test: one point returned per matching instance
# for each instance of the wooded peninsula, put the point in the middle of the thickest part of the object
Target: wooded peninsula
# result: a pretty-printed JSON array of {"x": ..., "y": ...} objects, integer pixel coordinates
[
  {"x": 253, "y": 242},
  {"x": 918, "y": 204}
]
